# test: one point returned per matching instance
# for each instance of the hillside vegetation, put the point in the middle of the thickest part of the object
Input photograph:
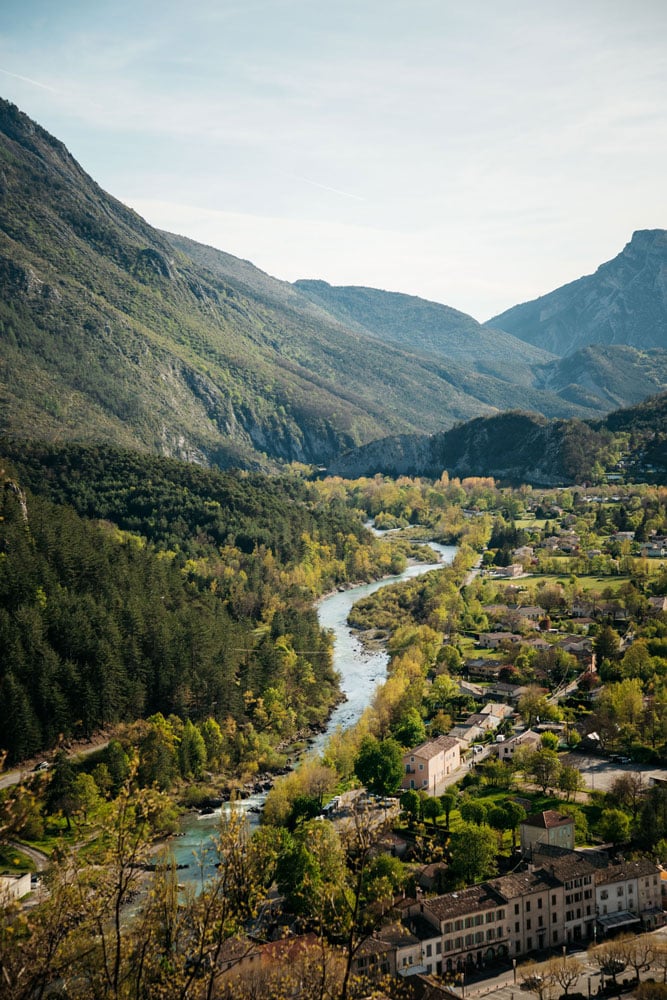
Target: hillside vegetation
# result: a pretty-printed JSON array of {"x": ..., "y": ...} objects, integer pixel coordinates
[
  {"x": 521, "y": 447},
  {"x": 132, "y": 585},
  {"x": 111, "y": 331}
]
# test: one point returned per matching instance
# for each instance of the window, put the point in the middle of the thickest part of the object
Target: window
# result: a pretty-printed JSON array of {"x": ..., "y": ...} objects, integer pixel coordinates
[
  {"x": 555, "y": 936},
  {"x": 539, "y": 903},
  {"x": 421, "y": 767},
  {"x": 619, "y": 891},
  {"x": 489, "y": 934},
  {"x": 588, "y": 911},
  {"x": 429, "y": 950},
  {"x": 528, "y": 906},
  {"x": 458, "y": 944},
  {"x": 449, "y": 944},
  {"x": 554, "y": 918},
  {"x": 447, "y": 929},
  {"x": 553, "y": 899},
  {"x": 489, "y": 918},
  {"x": 630, "y": 887},
  {"x": 458, "y": 925},
  {"x": 500, "y": 915},
  {"x": 468, "y": 921},
  {"x": 479, "y": 937},
  {"x": 438, "y": 947},
  {"x": 604, "y": 894},
  {"x": 479, "y": 919},
  {"x": 529, "y": 943},
  {"x": 527, "y": 925},
  {"x": 516, "y": 907},
  {"x": 516, "y": 927},
  {"x": 469, "y": 940},
  {"x": 540, "y": 921}
]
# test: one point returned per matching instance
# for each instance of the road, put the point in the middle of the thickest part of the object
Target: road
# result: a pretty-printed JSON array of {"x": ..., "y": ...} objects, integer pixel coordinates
[
  {"x": 506, "y": 985},
  {"x": 19, "y": 774}
]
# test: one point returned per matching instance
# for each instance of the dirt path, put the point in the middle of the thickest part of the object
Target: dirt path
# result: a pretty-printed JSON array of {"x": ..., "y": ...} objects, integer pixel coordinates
[{"x": 39, "y": 857}]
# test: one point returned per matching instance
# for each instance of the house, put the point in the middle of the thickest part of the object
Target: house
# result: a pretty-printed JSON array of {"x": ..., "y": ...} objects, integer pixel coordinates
[
  {"x": 471, "y": 690},
  {"x": 511, "y": 571},
  {"x": 507, "y": 749},
  {"x": 462, "y": 929},
  {"x": 497, "y": 708},
  {"x": 548, "y": 827},
  {"x": 427, "y": 766},
  {"x": 484, "y": 668},
  {"x": 466, "y": 735},
  {"x": 531, "y": 612},
  {"x": 483, "y": 720},
  {"x": 492, "y": 640}
]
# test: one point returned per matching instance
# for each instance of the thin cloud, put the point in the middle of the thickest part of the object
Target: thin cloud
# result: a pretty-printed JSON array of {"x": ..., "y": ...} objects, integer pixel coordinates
[
  {"x": 27, "y": 79},
  {"x": 326, "y": 187}
]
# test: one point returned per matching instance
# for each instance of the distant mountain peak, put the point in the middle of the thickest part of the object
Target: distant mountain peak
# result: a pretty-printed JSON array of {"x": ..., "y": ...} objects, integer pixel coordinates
[{"x": 624, "y": 303}]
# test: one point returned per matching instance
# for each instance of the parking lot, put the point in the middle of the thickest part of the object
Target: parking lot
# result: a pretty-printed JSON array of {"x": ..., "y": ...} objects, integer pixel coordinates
[{"x": 599, "y": 772}]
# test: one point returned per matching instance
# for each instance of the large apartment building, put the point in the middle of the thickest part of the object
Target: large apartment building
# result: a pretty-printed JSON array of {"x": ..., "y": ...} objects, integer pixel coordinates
[{"x": 558, "y": 901}]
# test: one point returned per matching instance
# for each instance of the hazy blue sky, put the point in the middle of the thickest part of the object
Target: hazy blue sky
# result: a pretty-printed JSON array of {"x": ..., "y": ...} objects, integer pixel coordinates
[{"x": 478, "y": 153}]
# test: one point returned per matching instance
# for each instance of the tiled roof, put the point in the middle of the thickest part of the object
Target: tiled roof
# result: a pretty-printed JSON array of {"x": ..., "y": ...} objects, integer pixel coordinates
[
  {"x": 524, "y": 883},
  {"x": 548, "y": 820},
  {"x": 470, "y": 900},
  {"x": 567, "y": 867},
  {"x": 431, "y": 748},
  {"x": 626, "y": 870}
]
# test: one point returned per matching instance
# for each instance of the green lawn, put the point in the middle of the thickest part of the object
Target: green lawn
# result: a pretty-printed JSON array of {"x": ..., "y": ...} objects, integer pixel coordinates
[{"x": 12, "y": 859}]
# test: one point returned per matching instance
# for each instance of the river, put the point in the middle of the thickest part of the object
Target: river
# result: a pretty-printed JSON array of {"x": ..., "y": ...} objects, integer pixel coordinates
[{"x": 360, "y": 670}]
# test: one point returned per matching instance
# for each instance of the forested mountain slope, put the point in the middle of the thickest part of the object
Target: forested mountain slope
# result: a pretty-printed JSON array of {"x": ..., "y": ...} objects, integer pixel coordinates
[
  {"x": 525, "y": 447},
  {"x": 112, "y": 331},
  {"x": 134, "y": 584}
]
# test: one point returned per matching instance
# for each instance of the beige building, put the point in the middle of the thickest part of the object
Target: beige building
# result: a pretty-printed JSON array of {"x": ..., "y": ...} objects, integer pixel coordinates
[
  {"x": 527, "y": 739},
  {"x": 629, "y": 894},
  {"x": 428, "y": 765},
  {"x": 553, "y": 905},
  {"x": 549, "y": 827}
]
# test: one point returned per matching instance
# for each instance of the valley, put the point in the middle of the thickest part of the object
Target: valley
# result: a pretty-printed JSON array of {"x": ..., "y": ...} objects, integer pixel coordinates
[{"x": 217, "y": 490}]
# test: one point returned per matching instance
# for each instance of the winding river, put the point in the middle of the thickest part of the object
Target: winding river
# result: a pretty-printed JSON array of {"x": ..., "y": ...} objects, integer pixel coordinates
[{"x": 360, "y": 670}]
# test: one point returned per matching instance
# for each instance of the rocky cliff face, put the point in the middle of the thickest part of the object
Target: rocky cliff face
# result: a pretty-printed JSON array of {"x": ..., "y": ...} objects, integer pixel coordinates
[{"x": 624, "y": 302}]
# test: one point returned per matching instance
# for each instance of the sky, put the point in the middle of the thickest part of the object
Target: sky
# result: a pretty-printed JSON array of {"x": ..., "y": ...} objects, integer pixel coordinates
[{"x": 479, "y": 153}]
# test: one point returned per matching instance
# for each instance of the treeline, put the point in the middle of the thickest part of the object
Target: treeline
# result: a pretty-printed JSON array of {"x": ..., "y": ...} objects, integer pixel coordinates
[
  {"x": 181, "y": 507},
  {"x": 94, "y": 630}
]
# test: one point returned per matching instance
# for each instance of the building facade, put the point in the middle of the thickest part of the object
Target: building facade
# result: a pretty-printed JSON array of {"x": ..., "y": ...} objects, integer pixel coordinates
[{"x": 427, "y": 766}]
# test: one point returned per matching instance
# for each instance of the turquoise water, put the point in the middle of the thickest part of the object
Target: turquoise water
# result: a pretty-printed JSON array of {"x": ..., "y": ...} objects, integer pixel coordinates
[{"x": 360, "y": 672}]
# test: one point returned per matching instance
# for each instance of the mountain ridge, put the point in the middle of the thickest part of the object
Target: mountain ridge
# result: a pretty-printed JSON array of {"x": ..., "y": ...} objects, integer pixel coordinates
[
  {"x": 519, "y": 446},
  {"x": 623, "y": 303},
  {"x": 113, "y": 331}
]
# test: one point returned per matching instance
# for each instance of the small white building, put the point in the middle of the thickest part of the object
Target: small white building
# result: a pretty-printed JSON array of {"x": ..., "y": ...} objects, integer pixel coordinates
[
  {"x": 13, "y": 886},
  {"x": 507, "y": 749}
]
